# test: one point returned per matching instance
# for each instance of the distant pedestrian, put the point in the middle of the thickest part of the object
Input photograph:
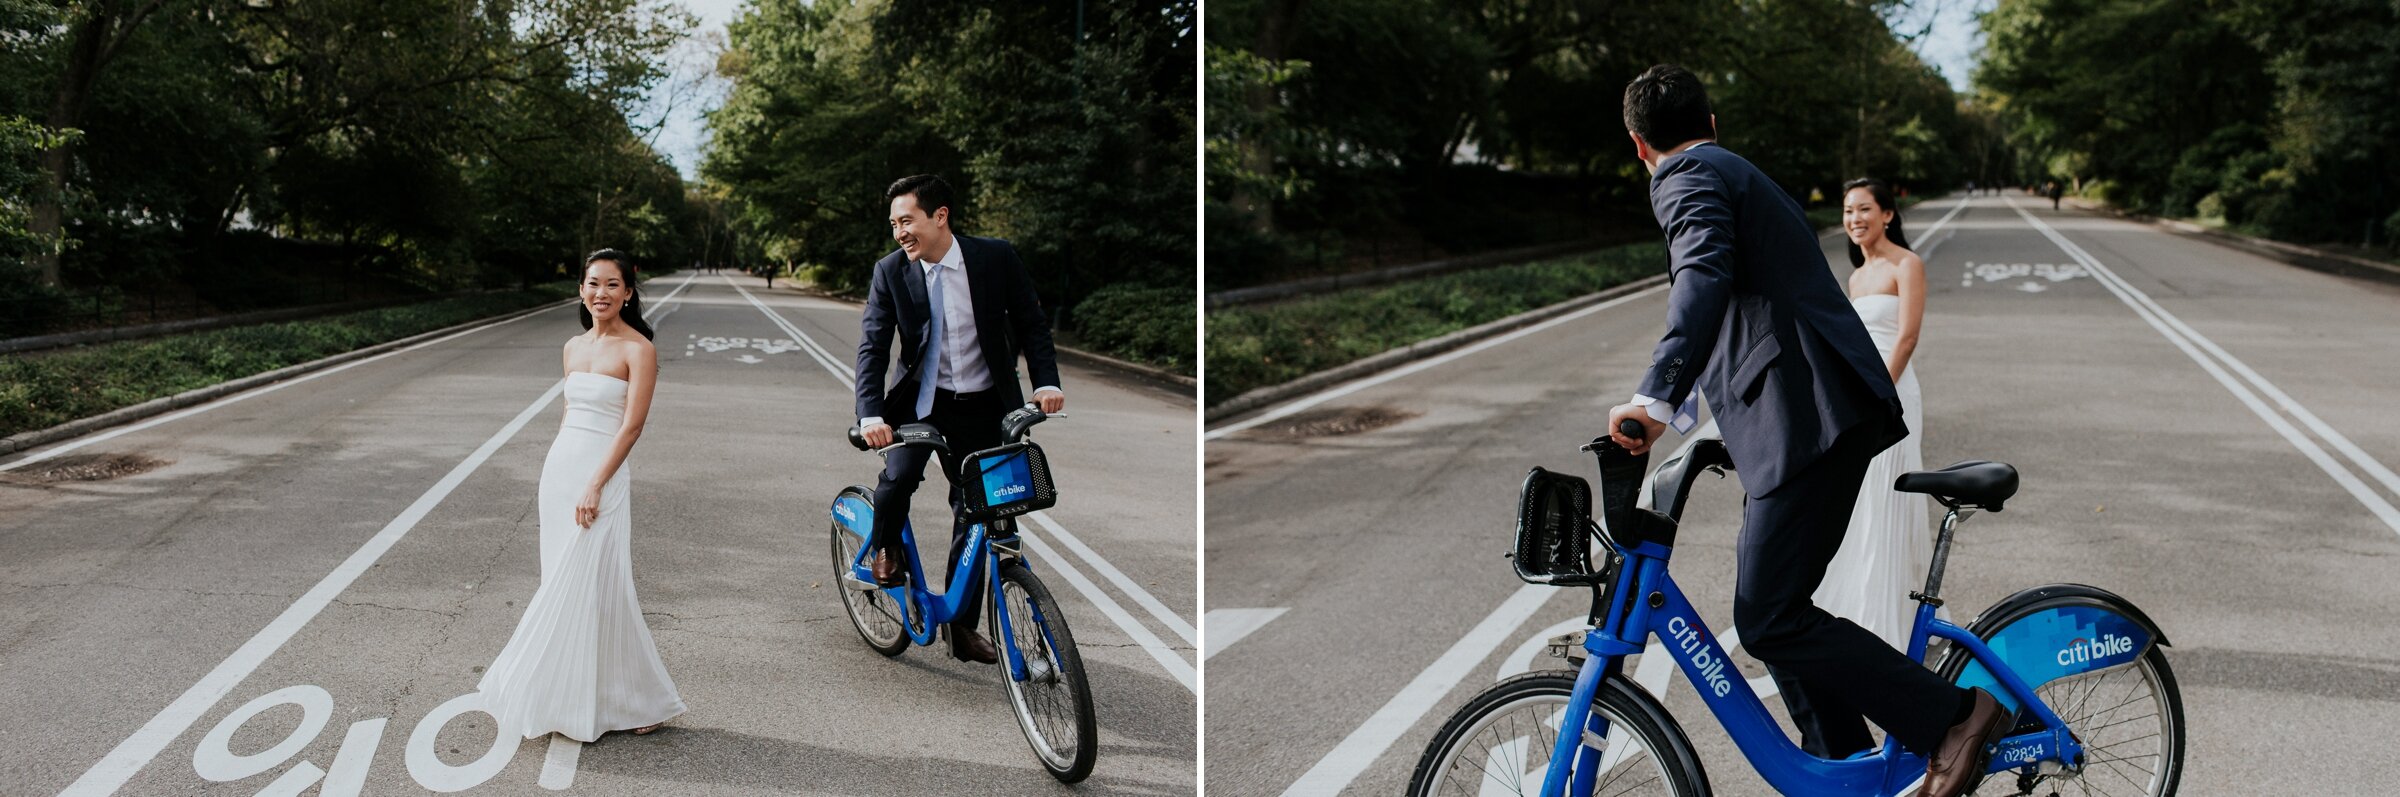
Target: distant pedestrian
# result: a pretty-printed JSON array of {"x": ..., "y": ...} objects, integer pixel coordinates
[{"x": 2057, "y": 190}]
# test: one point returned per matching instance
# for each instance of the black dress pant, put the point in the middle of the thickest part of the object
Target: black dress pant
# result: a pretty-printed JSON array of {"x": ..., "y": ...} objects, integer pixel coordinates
[
  {"x": 1829, "y": 670},
  {"x": 971, "y": 423}
]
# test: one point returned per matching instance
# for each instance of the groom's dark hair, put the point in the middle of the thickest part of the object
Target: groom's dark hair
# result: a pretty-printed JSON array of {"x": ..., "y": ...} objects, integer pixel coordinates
[
  {"x": 931, "y": 190},
  {"x": 1667, "y": 106}
]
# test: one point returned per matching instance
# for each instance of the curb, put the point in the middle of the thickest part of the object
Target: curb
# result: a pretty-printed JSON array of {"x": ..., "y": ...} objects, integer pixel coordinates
[
  {"x": 165, "y": 404},
  {"x": 1419, "y": 350},
  {"x": 2294, "y": 254},
  {"x": 1095, "y": 359}
]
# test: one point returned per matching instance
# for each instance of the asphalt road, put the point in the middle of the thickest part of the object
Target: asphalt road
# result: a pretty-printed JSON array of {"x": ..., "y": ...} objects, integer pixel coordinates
[
  {"x": 362, "y": 543},
  {"x": 1358, "y": 596}
]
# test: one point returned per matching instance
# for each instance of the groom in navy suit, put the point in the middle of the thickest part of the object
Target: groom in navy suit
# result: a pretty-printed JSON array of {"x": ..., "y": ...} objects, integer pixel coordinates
[
  {"x": 963, "y": 311},
  {"x": 1756, "y": 323}
]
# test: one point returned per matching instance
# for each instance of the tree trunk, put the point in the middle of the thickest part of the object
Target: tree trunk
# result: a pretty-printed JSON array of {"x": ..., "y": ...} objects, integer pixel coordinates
[
  {"x": 1258, "y": 152},
  {"x": 95, "y": 41}
]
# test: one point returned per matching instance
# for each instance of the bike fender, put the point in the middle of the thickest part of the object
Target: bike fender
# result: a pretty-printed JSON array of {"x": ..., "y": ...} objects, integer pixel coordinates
[
  {"x": 2059, "y": 631},
  {"x": 855, "y": 514}
]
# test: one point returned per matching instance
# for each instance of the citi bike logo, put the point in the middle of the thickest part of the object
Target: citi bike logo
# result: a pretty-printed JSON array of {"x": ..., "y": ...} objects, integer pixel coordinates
[
  {"x": 1704, "y": 658},
  {"x": 1012, "y": 489},
  {"x": 2083, "y": 650},
  {"x": 844, "y": 511}
]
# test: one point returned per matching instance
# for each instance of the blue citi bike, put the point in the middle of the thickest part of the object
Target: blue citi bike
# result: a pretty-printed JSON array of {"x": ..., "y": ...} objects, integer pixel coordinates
[
  {"x": 1042, "y": 671},
  {"x": 2084, "y": 671}
]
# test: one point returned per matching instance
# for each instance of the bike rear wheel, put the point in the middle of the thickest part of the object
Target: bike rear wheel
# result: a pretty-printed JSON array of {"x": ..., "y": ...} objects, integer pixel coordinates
[
  {"x": 1501, "y": 743},
  {"x": 1053, "y": 703},
  {"x": 873, "y": 613},
  {"x": 2130, "y": 722}
]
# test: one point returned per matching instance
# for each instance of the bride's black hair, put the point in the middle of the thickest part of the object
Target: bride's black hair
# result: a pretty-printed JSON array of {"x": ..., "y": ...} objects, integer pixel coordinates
[
  {"x": 631, "y": 313},
  {"x": 1883, "y": 199}
]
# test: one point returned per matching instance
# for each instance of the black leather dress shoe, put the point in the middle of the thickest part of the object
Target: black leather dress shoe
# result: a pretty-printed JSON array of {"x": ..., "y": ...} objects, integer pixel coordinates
[{"x": 971, "y": 646}]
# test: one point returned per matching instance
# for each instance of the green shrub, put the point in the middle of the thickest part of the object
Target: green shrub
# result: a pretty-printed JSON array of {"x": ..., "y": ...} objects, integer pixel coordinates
[
  {"x": 43, "y": 389},
  {"x": 1151, "y": 325}
]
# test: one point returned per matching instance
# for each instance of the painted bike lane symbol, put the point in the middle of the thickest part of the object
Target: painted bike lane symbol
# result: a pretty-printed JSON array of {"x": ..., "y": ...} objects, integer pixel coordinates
[
  {"x": 2038, "y": 277},
  {"x": 717, "y": 344},
  {"x": 214, "y": 760}
]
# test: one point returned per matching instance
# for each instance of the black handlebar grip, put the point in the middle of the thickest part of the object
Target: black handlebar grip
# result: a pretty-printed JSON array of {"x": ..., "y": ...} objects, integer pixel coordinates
[
  {"x": 1631, "y": 428},
  {"x": 858, "y": 438}
]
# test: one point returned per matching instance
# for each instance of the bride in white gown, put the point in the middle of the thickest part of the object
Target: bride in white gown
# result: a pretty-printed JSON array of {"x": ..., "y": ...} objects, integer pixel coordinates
[
  {"x": 1890, "y": 540},
  {"x": 581, "y": 662}
]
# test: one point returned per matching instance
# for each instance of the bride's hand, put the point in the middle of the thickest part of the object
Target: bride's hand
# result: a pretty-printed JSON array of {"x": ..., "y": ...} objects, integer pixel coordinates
[{"x": 587, "y": 510}]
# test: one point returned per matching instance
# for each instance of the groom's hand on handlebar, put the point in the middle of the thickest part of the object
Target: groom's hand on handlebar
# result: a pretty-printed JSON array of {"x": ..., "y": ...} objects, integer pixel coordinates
[
  {"x": 878, "y": 435},
  {"x": 1050, "y": 401},
  {"x": 1651, "y": 428}
]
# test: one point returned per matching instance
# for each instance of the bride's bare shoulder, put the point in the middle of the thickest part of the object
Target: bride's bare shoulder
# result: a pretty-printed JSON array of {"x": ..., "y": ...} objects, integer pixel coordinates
[{"x": 1909, "y": 260}]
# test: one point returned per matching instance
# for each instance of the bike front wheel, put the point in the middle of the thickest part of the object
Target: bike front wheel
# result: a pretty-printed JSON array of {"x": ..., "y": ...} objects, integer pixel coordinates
[
  {"x": 873, "y": 613},
  {"x": 1501, "y": 742},
  {"x": 1053, "y": 702}
]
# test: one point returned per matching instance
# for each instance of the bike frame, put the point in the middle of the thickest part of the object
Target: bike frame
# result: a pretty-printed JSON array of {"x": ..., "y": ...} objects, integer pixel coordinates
[
  {"x": 1645, "y": 602},
  {"x": 941, "y": 607}
]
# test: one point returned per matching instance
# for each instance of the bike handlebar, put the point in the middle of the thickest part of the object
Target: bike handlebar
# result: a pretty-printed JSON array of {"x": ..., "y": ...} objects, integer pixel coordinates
[{"x": 1013, "y": 428}]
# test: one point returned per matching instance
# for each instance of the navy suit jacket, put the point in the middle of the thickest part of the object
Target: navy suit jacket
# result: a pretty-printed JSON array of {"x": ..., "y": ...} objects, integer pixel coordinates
[
  {"x": 1008, "y": 322},
  {"x": 1756, "y": 321}
]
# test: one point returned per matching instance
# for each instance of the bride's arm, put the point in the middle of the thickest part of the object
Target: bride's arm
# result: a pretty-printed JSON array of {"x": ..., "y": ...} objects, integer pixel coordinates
[
  {"x": 1912, "y": 313},
  {"x": 643, "y": 362}
]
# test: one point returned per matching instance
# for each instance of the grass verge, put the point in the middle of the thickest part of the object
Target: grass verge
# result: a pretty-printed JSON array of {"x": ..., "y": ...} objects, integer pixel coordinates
[
  {"x": 39, "y": 390},
  {"x": 1253, "y": 346}
]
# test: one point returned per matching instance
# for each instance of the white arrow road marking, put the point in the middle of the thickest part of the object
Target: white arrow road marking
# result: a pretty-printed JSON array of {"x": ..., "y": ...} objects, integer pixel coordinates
[{"x": 1227, "y": 626}]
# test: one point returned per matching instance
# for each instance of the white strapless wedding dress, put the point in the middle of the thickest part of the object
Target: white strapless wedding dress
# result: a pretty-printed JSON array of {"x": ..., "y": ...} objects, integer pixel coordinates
[
  {"x": 1890, "y": 540},
  {"x": 581, "y": 662}
]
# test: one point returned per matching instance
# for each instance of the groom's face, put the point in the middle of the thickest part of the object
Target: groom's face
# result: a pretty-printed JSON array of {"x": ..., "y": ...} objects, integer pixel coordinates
[{"x": 917, "y": 233}]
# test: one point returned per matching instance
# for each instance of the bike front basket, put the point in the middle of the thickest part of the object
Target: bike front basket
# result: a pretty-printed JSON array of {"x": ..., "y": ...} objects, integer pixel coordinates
[
  {"x": 1554, "y": 529},
  {"x": 1006, "y": 481}
]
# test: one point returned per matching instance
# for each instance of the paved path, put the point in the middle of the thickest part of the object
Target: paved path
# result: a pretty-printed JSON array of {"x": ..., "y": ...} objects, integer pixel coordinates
[
  {"x": 361, "y": 543},
  {"x": 2204, "y": 431}
]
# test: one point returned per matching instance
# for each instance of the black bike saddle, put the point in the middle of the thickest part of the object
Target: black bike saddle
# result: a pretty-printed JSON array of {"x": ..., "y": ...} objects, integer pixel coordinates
[{"x": 1975, "y": 482}]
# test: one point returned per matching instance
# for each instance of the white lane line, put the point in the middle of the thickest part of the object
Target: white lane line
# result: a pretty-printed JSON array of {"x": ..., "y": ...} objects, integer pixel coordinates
[
  {"x": 2357, "y": 455},
  {"x": 558, "y": 765},
  {"x": 265, "y": 389},
  {"x": 136, "y": 752},
  {"x": 1347, "y": 388},
  {"x": 2155, "y": 316},
  {"x": 1166, "y": 617},
  {"x": 1167, "y": 658},
  {"x": 1347, "y": 760},
  {"x": 1227, "y": 626},
  {"x": 1174, "y": 664}
]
